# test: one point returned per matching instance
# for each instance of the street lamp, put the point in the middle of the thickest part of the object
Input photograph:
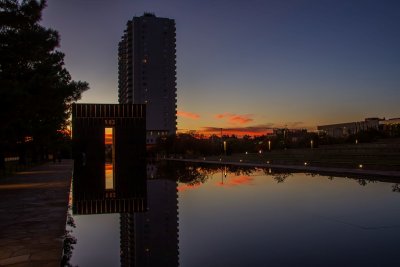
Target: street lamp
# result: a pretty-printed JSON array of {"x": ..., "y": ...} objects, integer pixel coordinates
[
  {"x": 312, "y": 144},
  {"x": 269, "y": 145}
]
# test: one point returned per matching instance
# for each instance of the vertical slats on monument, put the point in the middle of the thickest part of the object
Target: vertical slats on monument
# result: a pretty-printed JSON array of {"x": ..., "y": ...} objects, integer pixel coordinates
[{"x": 108, "y": 111}]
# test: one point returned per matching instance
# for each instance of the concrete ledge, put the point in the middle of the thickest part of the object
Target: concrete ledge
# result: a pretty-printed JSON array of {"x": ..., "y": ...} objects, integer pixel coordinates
[{"x": 358, "y": 172}]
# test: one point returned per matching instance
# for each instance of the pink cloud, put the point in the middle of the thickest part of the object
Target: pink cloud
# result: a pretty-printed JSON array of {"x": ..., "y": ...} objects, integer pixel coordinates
[
  {"x": 235, "y": 118},
  {"x": 241, "y": 119},
  {"x": 223, "y": 115},
  {"x": 188, "y": 115}
]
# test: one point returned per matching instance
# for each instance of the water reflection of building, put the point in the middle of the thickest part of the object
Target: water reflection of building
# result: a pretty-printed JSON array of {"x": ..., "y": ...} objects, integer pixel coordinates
[
  {"x": 148, "y": 213},
  {"x": 150, "y": 238}
]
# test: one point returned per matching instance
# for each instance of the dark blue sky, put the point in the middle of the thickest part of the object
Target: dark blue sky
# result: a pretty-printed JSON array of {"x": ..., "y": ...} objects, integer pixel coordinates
[{"x": 266, "y": 63}]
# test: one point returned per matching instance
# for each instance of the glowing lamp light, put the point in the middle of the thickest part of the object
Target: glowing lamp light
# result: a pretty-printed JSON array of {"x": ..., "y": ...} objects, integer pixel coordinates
[
  {"x": 225, "y": 147},
  {"x": 268, "y": 162},
  {"x": 305, "y": 163},
  {"x": 240, "y": 160},
  {"x": 360, "y": 166},
  {"x": 260, "y": 152},
  {"x": 246, "y": 153}
]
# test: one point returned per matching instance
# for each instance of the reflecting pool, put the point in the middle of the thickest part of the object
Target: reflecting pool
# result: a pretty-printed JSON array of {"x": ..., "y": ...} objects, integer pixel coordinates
[{"x": 179, "y": 214}]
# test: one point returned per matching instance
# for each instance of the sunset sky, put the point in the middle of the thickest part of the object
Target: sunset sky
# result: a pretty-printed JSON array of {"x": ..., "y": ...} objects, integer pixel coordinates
[{"x": 250, "y": 65}]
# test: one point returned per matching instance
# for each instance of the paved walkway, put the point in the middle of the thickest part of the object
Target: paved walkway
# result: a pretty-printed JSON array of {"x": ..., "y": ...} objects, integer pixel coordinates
[
  {"x": 33, "y": 209},
  {"x": 388, "y": 174}
]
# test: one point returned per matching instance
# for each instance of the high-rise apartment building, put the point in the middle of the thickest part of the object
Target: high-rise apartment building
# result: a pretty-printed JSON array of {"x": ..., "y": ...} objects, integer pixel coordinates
[{"x": 147, "y": 71}]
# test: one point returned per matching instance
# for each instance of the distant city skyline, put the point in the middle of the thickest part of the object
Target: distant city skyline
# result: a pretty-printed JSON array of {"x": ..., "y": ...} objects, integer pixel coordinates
[{"x": 250, "y": 65}]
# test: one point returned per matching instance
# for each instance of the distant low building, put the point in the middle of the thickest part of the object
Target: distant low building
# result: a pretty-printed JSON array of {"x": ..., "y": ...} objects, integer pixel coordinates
[
  {"x": 393, "y": 121},
  {"x": 341, "y": 130},
  {"x": 390, "y": 126},
  {"x": 293, "y": 136}
]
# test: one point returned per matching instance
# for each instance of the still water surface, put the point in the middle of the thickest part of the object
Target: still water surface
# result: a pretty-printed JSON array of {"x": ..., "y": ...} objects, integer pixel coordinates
[{"x": 230, "y": 216}]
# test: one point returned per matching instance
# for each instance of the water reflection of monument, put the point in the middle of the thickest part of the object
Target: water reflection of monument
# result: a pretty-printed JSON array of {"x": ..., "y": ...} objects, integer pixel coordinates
[
  {"x": 110, "y": 177},
  {"x": 148, "y": 215}
]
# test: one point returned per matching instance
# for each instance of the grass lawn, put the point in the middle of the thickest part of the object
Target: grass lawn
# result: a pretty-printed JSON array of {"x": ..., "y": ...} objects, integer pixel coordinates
[{"x": 381, "y": 155}]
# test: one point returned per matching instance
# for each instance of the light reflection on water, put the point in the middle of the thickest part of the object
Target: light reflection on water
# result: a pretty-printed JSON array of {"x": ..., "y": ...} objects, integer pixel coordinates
[
  {"x": 109, "y": 175},
  {"x": 231, "y": 216}
]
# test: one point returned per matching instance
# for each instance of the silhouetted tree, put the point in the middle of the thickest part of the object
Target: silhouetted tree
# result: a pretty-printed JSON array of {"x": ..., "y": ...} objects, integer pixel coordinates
[{"x": 36, "y": 91}]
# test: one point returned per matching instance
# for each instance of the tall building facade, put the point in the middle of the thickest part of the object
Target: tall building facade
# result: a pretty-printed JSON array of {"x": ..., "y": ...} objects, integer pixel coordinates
[{"x": 147, "y": 71}]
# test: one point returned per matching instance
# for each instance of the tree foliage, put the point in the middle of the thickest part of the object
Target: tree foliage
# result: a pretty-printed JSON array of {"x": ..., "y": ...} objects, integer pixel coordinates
[
  {"x": 189, "y": 145},
  {"x": 36, "y": 91}
]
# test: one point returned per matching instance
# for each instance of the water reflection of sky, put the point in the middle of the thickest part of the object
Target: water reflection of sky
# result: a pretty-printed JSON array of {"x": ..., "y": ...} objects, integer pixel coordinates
[
  {"x": 97, "y": 240},
  {"x": 252, "y": 220},
  {"x": 256, "y": 219}
]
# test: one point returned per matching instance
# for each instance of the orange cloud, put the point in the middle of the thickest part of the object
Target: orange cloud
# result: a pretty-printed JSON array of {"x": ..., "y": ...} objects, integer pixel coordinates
[
  {"x": 236, "y": 181},
  {"x": 188, "y": 115},
  {"x": 235, "y": 118},
  {"x": 240, "y": 119}
]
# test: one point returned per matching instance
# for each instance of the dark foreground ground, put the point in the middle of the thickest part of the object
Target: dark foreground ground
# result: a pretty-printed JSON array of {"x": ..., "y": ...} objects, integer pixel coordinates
[{"x": 33, "y": 211}]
